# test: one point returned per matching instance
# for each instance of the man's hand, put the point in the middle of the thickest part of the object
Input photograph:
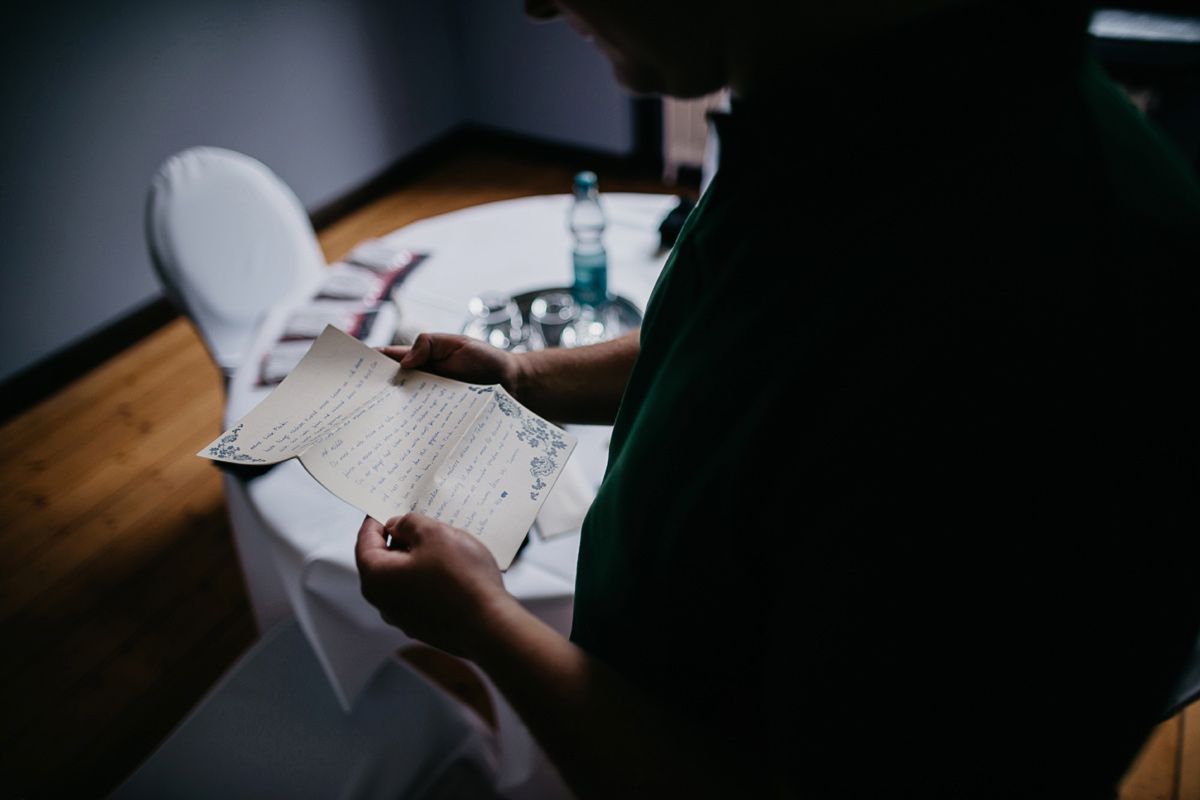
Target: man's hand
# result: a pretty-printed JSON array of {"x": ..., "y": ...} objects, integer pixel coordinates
[
  {"x": 439, "y": 584},
  {"x": 460, "y": 358},
  {"x": 442, "y": 586},
  {"x": 577, "y": 384}
]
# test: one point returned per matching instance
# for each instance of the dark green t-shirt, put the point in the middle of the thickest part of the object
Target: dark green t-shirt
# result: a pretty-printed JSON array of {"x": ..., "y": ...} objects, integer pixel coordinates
[{"x": 901, "y": 486}]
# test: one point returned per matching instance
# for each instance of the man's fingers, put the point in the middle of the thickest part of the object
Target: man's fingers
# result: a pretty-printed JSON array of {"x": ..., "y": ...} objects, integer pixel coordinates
[
  {"x": 394, "y": 352},
  {"x": 404, "y": 531},
  {"x": 431, "y": 348},
  {"x": 392, "y": 544},
  {"x": 418, "y": 354},
  {"x": 370, "y": 541},
  {"x": 370, "y": 533},
  {"x": 371, "y": 548}
]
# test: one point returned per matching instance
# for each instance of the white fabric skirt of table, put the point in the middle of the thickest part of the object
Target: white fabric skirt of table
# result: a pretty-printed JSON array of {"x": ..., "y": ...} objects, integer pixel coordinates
[{"x": 512, "y": 247}]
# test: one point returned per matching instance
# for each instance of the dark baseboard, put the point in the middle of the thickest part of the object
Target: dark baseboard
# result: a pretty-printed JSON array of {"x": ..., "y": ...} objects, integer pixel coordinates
[
  {"x": 29, "y": 387},
  {"x": 549, "y": 152}
]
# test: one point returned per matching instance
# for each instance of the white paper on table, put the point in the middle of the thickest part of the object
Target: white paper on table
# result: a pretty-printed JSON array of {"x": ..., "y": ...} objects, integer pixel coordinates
[
  {"x": 390, "y": 441},
  {"x": 567, "y": 505}
]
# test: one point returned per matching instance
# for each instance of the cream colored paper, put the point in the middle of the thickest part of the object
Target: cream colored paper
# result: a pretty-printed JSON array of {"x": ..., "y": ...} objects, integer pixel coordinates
[{"x": 389, "y": 441}]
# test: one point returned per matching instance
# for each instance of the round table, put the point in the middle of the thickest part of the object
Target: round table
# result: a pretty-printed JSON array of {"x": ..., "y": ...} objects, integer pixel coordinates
[{"x": 296, "y": 540}]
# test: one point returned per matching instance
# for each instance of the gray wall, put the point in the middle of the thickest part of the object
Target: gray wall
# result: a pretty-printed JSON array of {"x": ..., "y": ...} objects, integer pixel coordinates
[
  {"x": 541, "y": 79},
  {"x": 326, "y": 93}
]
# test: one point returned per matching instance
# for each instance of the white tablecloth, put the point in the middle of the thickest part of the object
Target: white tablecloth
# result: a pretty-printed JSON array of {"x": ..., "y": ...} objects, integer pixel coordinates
[{"x": 510, "y": 247}]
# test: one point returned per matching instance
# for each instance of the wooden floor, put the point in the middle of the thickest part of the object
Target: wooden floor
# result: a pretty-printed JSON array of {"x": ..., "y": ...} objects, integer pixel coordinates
[{"x": 120, "y": 596}]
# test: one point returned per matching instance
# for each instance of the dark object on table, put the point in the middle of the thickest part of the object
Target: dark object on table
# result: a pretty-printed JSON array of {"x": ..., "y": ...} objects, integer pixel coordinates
[{"x": 669, "y": 230}]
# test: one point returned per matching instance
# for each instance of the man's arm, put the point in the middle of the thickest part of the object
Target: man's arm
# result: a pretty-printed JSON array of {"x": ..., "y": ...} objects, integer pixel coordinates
[
  {"x": 581, "y": 385},
  {"x": 606, "y": 738}
]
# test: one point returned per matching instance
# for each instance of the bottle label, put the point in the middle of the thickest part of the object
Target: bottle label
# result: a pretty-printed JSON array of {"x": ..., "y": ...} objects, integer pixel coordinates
[{"x": 591, "y": 277}]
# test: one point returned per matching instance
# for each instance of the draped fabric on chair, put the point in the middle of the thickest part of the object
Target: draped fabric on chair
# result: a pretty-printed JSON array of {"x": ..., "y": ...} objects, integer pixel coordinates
[
  {"x": 228, "y": 239},
  {"x": 230, "y": 242}
]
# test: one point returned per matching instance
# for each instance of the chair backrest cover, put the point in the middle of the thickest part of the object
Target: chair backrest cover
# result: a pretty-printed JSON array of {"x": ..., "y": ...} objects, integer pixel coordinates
[{"x": 228, "y": 239}]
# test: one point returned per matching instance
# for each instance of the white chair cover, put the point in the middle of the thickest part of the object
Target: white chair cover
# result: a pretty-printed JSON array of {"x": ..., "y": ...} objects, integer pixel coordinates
[
  {"x": 228, "y": 239},
  {"x": 273, "y": 728},
  {"x": 252, "y": 539}
]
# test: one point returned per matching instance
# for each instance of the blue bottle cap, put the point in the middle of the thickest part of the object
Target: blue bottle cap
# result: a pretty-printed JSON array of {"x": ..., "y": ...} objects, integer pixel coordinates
[{"x": 585, "y": 181}]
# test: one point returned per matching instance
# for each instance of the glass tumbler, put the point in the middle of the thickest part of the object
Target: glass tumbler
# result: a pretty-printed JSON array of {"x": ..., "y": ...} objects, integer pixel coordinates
[
  {"x": 495, "y": 319},
  {"x": 593, "y": 324},
  {"x": 549, "y": 315}
]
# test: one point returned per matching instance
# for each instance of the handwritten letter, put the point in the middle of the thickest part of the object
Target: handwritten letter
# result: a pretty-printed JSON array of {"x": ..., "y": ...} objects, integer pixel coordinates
[{"x": 391, "y": 441}]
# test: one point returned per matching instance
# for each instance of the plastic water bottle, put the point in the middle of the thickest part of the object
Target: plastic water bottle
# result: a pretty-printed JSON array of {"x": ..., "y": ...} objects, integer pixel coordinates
[{"x": 586, "y": 223}]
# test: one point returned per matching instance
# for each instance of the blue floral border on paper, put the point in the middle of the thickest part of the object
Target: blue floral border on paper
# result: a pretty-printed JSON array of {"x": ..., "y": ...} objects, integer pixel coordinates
[
  {"x": 227, "y": 448},
  {"x": 537, "y": 433}
]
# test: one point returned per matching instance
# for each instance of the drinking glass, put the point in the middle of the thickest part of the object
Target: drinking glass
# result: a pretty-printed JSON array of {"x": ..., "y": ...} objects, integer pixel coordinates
[
  {"x": 593, "y": 324},
  {"x": 495, "y": 319},
  {"x": 549, "y": 315}
]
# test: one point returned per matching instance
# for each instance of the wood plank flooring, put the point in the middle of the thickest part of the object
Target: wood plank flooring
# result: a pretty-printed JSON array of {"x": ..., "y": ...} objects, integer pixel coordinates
[{"x": 121, "y": 601}]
